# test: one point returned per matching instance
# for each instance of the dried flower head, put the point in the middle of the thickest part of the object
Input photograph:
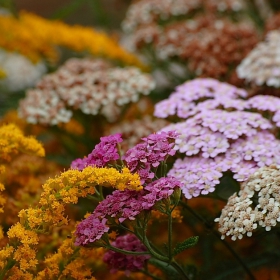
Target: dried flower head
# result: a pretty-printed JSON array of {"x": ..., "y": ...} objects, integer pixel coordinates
[
  {"x": 262, "y": 65},
  {"x": 257, "y": 204},
  {"x": 88, "y": 85}
]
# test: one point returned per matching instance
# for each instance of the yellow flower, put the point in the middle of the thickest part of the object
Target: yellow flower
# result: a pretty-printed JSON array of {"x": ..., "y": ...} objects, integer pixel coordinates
[
  {"x": 36, "y": 38},
  {"x": 24, "y": 236},
  {"x": 5, "y": 254},
  {"x": 68, "y": 187},
  {"x": 12, "y": 141}
]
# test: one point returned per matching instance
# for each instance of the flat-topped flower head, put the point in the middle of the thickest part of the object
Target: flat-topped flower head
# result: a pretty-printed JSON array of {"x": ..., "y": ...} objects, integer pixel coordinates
[
  {"x": 256, "y": 205},
  {"x": 202, "y": 93},
  {"x": 216, "y": 141},
  {"x": 262, "y": 65},
  {"x": 92, "y": 86},
  {"x": 150, "y": 153},
  {"x": 103, "y": 153}
]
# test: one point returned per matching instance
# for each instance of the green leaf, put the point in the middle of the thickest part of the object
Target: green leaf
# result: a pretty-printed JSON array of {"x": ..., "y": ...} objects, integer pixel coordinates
[{"x": 188, "y": 243}]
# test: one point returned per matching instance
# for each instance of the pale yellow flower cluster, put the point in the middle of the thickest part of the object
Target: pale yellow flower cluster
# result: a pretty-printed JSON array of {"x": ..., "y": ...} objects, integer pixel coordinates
[{"x": 37, "y": 38}]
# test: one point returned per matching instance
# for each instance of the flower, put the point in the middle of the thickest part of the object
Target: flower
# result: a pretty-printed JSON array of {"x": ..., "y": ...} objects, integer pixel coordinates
[
  {"x": 93, "y": 86},
  {"x": 20, "y": 72},
  {"x": 214, "y": 44},
  {"x": 257, "y": 204},
  {"x": 196, "y": 95},
  {"x": 68, "y": 187},
  {"x": 17, "y": 34},
  {"x": 148, "y": 11},
  {"x": 123, "y": 205},
  {"x": 118, "y": 261},
  {"x": 149, "y": 153},
  {"x": 215, "y": 141},
  {"x": 104, "y": 152},
  {"x": 262, "y": 65}
]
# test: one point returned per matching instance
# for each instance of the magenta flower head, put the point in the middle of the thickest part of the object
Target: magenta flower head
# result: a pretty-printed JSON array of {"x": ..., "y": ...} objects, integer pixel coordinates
[
  {"x": 145, "y": 157},
  {"x": 123, "y": 205},
  {"x": 103, "y": 153},
  {"x": 90, "y": 230},
  {"x": 129, "y": 263}
]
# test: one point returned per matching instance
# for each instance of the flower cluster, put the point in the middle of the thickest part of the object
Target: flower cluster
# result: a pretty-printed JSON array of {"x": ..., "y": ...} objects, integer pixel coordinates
[
  {"x": 218, "y": 141},
  {"x": 89, "y": 85},
  {"x": 69, "y": 262},
  {"x": 12, "y": 144},
  {"x": 211, "y": 44},
  {"x": 261, "y": 65},
  {"x": 197, "y": 95},
  {"x": 118, "y": 261},
  {"x": 103, "y": 153},
  {"x": 24, "y": 254},
  {"x": 123, "y": 205},
  {"x": 20, "y": 72},
  {"x": 148, "y": 155},
  {"x": 68, "y": 188},
  {"x": 256, "y": 204},
  {"x": 146, "y": 12},
  {"x": 18, "y": 35},
  {"x": 214, "y": 45}
]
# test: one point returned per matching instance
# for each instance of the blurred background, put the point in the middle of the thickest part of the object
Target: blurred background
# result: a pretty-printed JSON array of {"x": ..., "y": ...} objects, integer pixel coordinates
[{"x": 101, "y": 13}]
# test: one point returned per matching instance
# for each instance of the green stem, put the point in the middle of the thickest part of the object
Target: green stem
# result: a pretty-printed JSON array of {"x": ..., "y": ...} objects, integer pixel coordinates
[
  {"x": 152, "y": 251},
  {"x": 115, "y": 249},
  {"x": 210, "y": 227},
  {"x": 91, "y": 197},
  {"x": 180, "y": 270},
  {"x": 101, "y": 192}
]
